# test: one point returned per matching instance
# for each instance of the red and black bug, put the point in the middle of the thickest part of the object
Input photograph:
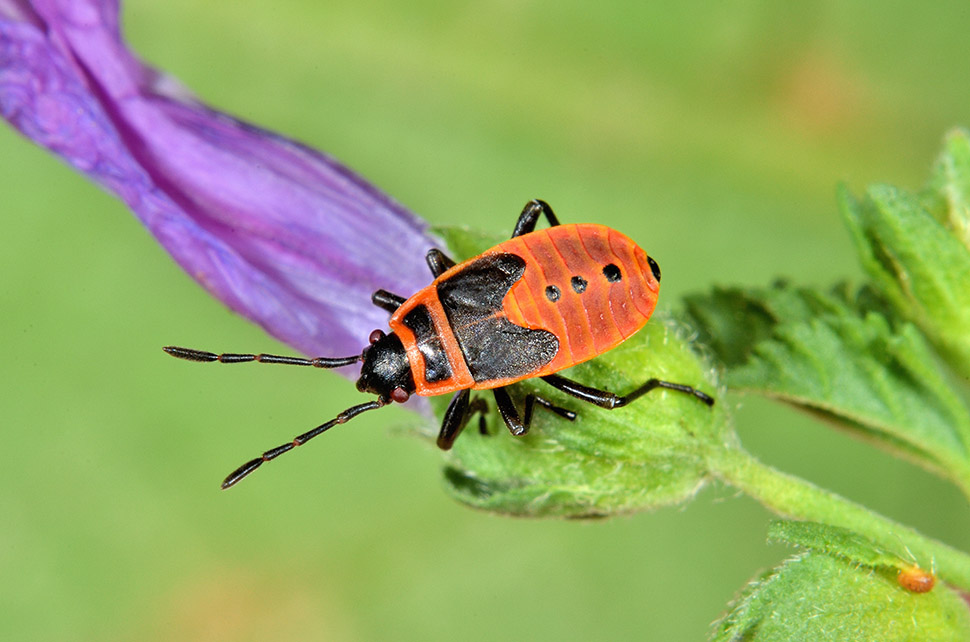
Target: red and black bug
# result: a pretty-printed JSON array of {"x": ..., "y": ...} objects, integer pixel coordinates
[{"x": 529, "y": 307}]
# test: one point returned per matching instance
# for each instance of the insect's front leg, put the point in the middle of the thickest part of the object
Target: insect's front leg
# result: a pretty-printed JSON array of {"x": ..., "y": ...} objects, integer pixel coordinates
[
  {"x": 438, "y": 262},
  {"x": 387, "y": 301},
  {"x": 459, "y": 412}
]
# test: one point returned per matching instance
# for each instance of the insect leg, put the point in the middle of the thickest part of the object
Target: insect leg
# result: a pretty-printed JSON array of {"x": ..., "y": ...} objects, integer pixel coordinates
[
  {"x": 509, "y": 414},
  {"x": 479, "y": 406},
  {"x": 387, "y": 301},
  {"x": 530, "y": 216},
  {"x": 438, "y": 261},
  {"x": 548, "y": 405},
  {"x": 457, "y": 416},
  {"x": 454, "y": 420},
  {"x": 519, "y": 426},
  {"x": 609, "y": 400}
]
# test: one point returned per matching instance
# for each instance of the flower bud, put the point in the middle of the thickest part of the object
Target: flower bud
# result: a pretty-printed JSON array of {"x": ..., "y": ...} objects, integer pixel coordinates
[{"x": 650, "y": 453}]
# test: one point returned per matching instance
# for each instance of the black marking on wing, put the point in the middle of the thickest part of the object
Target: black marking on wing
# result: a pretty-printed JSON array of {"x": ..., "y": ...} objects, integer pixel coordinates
[
  {"x": 493, "y": 346},
  {"x": 436, "y": 366}
]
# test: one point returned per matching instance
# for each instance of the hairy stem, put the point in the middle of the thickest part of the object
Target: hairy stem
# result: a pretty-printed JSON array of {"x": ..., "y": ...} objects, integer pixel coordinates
[{"x": 796, "y": 498}]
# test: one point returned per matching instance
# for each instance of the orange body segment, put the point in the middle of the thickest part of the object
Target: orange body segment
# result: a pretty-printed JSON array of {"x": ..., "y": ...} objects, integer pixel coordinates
[
  {"x": 604, "y": 313},
  {"x": 417, "y": 346}
]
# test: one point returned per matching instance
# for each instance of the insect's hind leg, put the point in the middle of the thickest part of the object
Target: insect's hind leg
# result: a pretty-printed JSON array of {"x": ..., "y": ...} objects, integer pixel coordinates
[
  {"x": 610, "y": 400},
  {"x": 517, "y": 425},
  {"x": 530, "y": 216},
  {"x": 459, "y": 412}
]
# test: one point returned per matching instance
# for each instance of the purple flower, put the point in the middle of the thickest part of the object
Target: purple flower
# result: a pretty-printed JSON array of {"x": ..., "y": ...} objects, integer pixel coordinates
[{"x": 282, "y": 234}]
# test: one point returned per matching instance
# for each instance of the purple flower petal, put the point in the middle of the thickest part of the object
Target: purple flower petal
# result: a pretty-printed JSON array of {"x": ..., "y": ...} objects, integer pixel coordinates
[{"x": 282, "y": 234}]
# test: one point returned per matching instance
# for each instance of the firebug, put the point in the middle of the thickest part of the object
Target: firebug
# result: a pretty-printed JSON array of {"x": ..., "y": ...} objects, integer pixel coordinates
[{"x": 529, "y": 307}]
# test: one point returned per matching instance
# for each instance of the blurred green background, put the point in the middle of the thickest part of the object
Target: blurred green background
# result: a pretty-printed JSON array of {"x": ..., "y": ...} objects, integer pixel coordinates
[{"x": 713, "y": 134}]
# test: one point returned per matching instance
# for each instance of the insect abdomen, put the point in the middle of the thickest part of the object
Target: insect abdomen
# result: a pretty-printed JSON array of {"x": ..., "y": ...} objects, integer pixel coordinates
[
  {"x": 531, "y": 306},
  {"x": 589, "y": 285}
]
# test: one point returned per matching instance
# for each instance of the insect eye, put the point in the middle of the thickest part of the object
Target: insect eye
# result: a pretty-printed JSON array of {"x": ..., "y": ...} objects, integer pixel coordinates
[
  {"x": 400, "y": 395},
  {"x": 375, "y": 336}
]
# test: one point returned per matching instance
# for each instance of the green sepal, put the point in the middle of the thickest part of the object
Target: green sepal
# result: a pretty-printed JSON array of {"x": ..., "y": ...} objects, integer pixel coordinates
[
  {"x": 651, "y": 453},
  {"x": 846, "y": 358}
]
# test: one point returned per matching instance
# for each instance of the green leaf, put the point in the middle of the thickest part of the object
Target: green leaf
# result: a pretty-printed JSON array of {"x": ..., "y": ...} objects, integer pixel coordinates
[
  {"x": 844, "y": 360},
  {"x": 845, "y": 588},
  {"x": 648, "y": 454},
  {"x": 816, "y": 597},
  {"x": 792, "y": 497},
  {"x": 464, "y": 242},
  {"x": 921, "y": 266},
  {"x": 948, "y": 193},
  {"x": 836, "y": 541}
]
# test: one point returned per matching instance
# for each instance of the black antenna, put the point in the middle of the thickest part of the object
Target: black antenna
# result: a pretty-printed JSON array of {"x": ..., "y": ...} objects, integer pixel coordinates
[
  {"x": 318, "y": 362},
  {"x": 229, "y": 357},
  {"x": 273, "y": 453}
]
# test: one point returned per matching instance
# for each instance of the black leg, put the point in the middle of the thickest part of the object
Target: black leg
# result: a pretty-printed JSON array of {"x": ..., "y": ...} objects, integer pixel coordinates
[
  {"x": 457, "y": 416},
  {"x": 438, "y": 261},
  {"x": 478, "y": 405},
  {"x": 454, "y": 420},
  {"x": 609, "y": 400},
  {"x": 387, "y": 301},
  {"x": 530, "y": 216},
  {"x": 545, "y": 403},
  {"x": 509, "y": 414},
  {"x": 519, "y": 426}
]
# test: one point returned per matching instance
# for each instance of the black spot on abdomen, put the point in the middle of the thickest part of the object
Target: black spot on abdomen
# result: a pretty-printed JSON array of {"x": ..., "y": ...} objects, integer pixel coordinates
[{"x": 612, "y": 273}]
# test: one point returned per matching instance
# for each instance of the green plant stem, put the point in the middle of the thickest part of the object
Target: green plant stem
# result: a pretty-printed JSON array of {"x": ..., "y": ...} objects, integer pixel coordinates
[{"x": 796, "y": 498}]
